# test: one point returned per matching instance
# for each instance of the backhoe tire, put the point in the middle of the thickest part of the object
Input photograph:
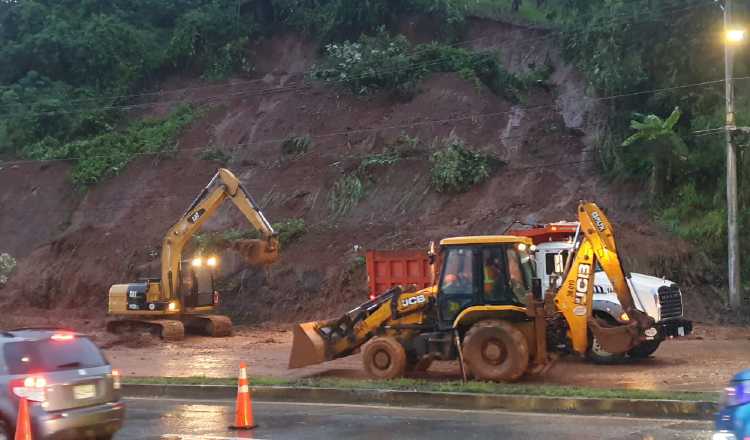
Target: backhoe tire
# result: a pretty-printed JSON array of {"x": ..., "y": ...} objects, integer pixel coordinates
[
  {"x": 496, "y": 350},
  {"x": 384, "y": 358},
  {"x": 644, "y": 349}
]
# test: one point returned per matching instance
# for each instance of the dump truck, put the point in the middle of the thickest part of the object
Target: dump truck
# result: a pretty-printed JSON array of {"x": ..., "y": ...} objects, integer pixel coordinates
[
  {"x": 487, "y": 310},
  {"x": 185, "y": 295}
]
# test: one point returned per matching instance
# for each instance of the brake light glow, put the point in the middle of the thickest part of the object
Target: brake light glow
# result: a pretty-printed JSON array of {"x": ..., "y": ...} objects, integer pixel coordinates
[
  {"x": 32, "y": 388},
  {"x": 116, "y": 380},
  {"x": 62, "y": 337}
]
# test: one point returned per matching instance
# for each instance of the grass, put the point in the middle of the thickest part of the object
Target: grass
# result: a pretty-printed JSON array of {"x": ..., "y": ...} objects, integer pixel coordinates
[{"x": 471, "y": 387}]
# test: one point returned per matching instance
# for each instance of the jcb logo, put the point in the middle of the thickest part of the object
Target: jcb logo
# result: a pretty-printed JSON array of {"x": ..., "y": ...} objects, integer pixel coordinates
[
  {"x": 582, "y": 283},
  {"x": 419, "y": 299},
  {"x": 598, "y": 221}
]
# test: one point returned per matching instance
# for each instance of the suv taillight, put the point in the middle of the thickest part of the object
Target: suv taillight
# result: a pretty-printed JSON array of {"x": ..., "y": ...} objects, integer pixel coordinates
[
  {"x": 116, "y": 380},
  {"x": 32, "y": 388}
]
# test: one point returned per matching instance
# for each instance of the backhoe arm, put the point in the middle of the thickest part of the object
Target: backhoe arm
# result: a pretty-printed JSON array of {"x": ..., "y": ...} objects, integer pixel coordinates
[
  {"x": 575, "y": 296},
  {"x": 224, "y": 185}
]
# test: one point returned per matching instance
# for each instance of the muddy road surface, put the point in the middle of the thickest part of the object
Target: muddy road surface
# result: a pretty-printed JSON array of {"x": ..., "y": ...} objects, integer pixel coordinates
[{"x": 702, "y": 362}]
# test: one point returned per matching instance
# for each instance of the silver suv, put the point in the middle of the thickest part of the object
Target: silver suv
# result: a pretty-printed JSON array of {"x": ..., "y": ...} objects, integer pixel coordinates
[{"x": 72, "y": 390}]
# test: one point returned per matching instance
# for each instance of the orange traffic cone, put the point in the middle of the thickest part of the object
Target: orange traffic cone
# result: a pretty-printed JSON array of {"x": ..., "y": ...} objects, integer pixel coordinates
[
  {"x": 23, "y": 424},
  {"x": 243, "y": 418}
]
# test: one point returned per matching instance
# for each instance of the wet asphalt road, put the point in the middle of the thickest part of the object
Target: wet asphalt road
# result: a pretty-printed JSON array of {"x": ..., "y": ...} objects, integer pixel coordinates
[{"x": 193, "y": 420}]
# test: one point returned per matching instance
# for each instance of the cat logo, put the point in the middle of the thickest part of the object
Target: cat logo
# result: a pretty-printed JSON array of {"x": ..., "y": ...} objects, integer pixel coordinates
[
  {"x": 412, "y": 300},
  {"x": 582, "y": 283},
  {"x": 196, "y": 215}
]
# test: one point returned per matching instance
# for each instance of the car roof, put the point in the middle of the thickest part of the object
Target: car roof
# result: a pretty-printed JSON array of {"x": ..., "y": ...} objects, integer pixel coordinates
[{"x": 34, "y": 333}]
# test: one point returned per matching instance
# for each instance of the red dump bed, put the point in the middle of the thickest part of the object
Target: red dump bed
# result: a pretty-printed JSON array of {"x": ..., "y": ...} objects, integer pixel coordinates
[{"x": 386, "y": 269}]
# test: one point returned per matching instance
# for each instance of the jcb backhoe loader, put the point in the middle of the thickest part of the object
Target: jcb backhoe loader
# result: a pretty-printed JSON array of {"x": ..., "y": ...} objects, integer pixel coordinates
[
  {"x": 184, "y": 296},
  {"x": 486, "y": 309}
]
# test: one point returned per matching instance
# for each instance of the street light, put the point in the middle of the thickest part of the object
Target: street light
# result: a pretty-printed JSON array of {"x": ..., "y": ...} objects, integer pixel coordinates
[{"x": 735, "y": 36}]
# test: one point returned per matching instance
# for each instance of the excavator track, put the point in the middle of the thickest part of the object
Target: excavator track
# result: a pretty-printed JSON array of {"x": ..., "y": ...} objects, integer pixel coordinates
[
  {"x": 166, "y": 329},
  {"x": 217, "y": 326}
]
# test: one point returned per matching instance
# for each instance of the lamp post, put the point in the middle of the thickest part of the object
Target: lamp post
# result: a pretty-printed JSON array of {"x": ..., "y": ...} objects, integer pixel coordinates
[{"x": 733, "y": 37}]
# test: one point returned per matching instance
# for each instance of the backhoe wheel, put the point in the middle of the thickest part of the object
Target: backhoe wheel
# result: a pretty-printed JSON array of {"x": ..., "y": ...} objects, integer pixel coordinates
[
  {"x": 384, "y": 358},
  {"x": 496, "y": 350}
]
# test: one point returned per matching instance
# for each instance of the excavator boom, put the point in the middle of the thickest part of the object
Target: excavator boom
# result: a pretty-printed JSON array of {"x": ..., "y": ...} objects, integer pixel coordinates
[{"x": 224, "y": 185}]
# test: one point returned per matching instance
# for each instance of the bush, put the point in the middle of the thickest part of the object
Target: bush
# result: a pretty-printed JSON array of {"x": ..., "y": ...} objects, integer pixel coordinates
[
  {"x": 295, "y": 145},
  {"x": 215, "y": 155},
  {"x": 385, "y": 62},
  {"x": 346, "y": 193},
  {"x": 457, "y": 169},
  {"x": 7, "y": 264},
  {"x": 289, "y": 230},
  {"x": 108, "y": 153}
]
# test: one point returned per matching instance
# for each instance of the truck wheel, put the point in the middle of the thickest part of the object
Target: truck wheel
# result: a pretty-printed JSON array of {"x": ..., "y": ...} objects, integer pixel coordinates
[
  {"x": 496, "y": 350},
  {"x": 598, "y": 355},
  {"x": 644, "y": 350},
  {"x": 384, "y": 358}
]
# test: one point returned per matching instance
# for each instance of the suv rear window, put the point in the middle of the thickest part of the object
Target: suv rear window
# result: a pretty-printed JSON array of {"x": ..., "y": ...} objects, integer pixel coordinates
[{"x": 48, "y": 355}]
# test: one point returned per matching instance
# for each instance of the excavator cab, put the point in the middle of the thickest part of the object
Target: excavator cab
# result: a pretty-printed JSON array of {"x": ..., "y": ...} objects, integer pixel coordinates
[{"x": 197, "y": 285}]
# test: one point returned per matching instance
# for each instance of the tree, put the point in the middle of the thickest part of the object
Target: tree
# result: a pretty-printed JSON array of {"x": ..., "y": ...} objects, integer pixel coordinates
[{"x": 663, "y": 147}]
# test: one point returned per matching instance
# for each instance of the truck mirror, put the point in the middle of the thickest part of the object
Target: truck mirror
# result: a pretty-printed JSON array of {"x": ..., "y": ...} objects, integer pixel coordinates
[{"x": 536, "y": 288}]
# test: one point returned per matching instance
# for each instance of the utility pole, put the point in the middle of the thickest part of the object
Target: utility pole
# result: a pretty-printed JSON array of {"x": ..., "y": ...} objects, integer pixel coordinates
[{"x": 735, "y": 299}]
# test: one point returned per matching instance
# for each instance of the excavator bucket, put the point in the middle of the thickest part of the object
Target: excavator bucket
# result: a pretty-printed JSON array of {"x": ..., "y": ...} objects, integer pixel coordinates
[
  {"x": 256, "y": 252},
  {"x": 308, "y": 347}
]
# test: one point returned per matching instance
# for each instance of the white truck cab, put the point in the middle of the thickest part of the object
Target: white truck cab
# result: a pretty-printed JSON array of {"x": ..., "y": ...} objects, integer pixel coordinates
[{"x": 658, "y": 297}]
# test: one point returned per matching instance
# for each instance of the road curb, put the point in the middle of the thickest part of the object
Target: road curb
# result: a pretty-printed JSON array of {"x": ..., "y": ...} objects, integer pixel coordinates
[{"x": 673, "y": 409}]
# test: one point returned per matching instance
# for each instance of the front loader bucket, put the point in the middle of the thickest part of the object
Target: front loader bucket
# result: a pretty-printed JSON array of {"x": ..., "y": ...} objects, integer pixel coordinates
[
  {"x": 308, "y": 347},
  {"x": 617, "y": 340}
]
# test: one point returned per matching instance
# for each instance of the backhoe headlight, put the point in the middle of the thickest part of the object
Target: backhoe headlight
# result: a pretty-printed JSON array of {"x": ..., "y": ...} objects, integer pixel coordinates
[
  {"x": 172, "y": 307},
  {"x": 197, "y": 262},
  {"x": 624, "y": 317},
  {"x": 211, "y": 261},
  {"x": 521, "y": 247}
]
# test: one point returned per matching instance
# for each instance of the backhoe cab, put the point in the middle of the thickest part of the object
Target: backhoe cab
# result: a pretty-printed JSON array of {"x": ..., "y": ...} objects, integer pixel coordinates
[
  {"x": 185, "y": 296},
  {"x": 485, "y": 309}
]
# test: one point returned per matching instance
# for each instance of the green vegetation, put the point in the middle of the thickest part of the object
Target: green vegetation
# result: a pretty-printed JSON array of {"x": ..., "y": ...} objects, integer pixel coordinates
[
  {"x": 7, "y": 264},
  {"x": 295, "y": 145},
  {"x": 347, "y": 191},
  {"x": 215, "y": 155},
  {"x": 289, "y": 230},
  {"x": 405, "y": 384},
  {"x": 456, "y": 168},
  {"x": 385, "y": 62}
]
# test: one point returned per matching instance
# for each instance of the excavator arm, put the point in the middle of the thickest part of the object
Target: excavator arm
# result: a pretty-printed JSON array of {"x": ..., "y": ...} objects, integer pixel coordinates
[
  {"x": 596, "y": 244},
  {"x": 224, "y": 185}
]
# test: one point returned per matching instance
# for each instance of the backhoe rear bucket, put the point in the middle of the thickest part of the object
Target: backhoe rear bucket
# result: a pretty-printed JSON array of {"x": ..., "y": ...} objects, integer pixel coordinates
[
  {"x": 308, "y": 347},
  {"x": 256, "y": 252}
]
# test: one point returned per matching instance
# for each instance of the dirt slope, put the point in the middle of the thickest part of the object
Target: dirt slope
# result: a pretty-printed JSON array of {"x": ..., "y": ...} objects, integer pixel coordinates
[{"x": 72, "y": 246}]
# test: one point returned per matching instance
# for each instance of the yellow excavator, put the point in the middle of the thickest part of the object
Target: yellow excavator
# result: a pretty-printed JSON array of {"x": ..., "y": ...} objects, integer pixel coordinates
[
  {"x": 486, "y": 309},
  {"x": 184, "y": 296}
]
